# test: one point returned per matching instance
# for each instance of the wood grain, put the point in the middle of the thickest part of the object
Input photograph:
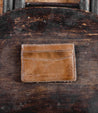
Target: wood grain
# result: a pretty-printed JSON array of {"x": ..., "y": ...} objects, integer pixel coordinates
[
  {"x": 48, "y": 26},
  {"x": 19, "y": 4},
  {"x": 57, "y": 1},
  {"x": 7, "y": 5},
  {"x": 94, "y": 6},
  {"x": 1, "y": 7},
  {"x": 85, "y": 5}
]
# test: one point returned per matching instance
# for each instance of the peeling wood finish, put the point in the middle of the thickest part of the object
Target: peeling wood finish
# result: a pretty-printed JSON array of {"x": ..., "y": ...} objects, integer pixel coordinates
[{"x": 47, "y": 26}]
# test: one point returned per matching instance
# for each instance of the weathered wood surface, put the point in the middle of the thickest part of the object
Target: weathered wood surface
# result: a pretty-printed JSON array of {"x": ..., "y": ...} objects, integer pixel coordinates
[
  {"x": 41, "y": 26},
  {"x": 7, "y": 5},
  {"x": 19, "y": 4},
  {"x": 1, "y": 7},
  {"x": 41, "y": 4},
  {"x": 85, "y": 5},
  {"x": 57, "y": 1},
  {"x": 94, "y": 6}
]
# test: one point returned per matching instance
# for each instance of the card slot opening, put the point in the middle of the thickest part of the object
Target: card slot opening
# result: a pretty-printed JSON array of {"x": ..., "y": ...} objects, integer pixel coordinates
[
  {"x": 40, "y": 59},
  {"x": 48, "y": 51}
]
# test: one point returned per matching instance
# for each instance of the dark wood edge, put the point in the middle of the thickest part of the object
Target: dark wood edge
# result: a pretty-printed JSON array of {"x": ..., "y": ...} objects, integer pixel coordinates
[{"x": 70, "y": 5}]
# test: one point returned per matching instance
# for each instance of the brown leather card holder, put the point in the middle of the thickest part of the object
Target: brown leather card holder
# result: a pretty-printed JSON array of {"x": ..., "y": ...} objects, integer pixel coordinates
[{"x": 48, "y": 63}]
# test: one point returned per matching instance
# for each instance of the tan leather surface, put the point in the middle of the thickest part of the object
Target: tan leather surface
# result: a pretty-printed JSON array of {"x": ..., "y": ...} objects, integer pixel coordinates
[{"x": 48, "y": 62}]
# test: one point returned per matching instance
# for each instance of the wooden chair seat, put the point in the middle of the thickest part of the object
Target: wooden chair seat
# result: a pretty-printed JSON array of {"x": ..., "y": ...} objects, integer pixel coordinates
[{"x": 88, "y": 5}]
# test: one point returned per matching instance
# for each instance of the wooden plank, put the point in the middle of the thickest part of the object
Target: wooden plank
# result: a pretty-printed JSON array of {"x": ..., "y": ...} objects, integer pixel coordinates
[
  {"x": 19, "y": 4},
  {"x": 5, "y": 6},
  {"x": 1, "y": 7},
  {"x": 1, "y": 2},
  {"x": 85, "y": 5},
  {"x": 57, "y": 1},
  {"x": 52, "y": 4},
  {"x": 22, "y": 3},
  {"x": 95, "y": 6},
  {"x": 41, "y": 25},
  {"x": 1, "y": 10},
  {"x": 8, "y": 5}
]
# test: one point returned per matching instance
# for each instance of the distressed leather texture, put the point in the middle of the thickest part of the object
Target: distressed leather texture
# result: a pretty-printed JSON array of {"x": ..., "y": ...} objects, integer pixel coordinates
[{"x": 48, "y": 63}]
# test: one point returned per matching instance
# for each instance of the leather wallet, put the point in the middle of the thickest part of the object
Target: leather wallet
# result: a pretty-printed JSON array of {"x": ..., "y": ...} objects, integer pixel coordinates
[{"x": 48, "y": 63}]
